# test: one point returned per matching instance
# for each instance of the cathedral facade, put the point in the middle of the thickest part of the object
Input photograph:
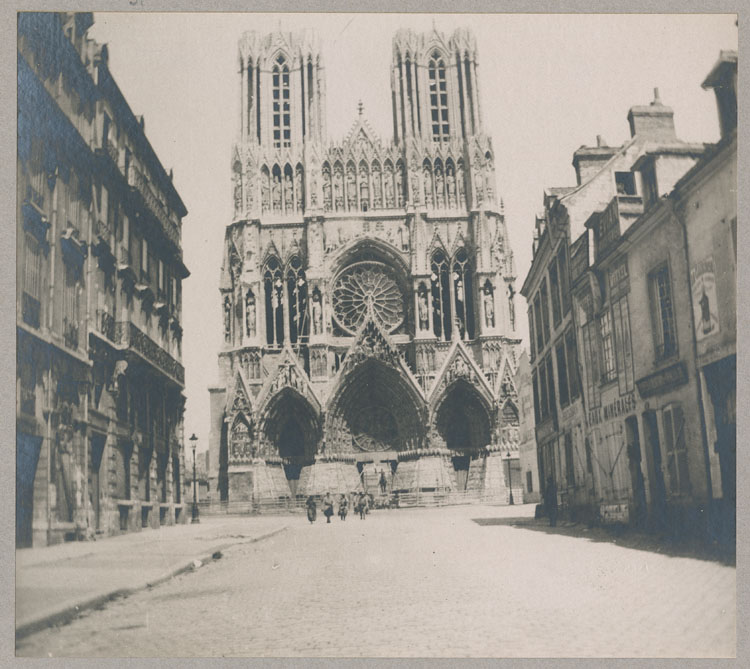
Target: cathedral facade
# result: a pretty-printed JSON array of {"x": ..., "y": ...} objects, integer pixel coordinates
[{"x": 367, "y": 286}]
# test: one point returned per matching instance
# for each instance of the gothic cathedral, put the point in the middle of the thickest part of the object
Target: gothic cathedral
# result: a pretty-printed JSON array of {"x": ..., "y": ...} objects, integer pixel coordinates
[{"x": 367, "y": 286}]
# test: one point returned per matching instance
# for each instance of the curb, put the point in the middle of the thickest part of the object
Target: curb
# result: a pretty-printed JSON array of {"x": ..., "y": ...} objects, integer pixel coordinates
[{"x": 71, "y": 612}]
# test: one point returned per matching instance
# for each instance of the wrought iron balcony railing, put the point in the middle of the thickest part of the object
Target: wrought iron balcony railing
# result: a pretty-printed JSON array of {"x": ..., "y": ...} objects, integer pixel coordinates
[
  {"x": 140, "y": 182},
  {"x": 130, "y": 335}
]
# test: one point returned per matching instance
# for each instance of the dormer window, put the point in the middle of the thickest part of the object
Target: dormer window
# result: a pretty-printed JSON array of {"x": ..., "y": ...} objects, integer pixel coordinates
[{"x": 625, "y": 183}]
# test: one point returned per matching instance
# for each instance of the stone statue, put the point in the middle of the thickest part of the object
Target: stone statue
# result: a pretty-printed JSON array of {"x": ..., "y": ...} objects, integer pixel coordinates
[
  {"x": 276, "y": 193},
  {"x": 388, "y": 189},
  {"x": 399, "y": 188},
  {"x": 423, "y": 311},
  {"x": 327, "y": 201},
  {"x": 489, "y": 309},
  {"x": 298, "y": 190},
  {"x": 288, "y": 193},
  {"x": 317, "y": 311},
  {"x": 338, "y": 188},
  {"x": 351, "y": 188},
  {"x": 264, "y": 194},
  {"x": 250, "y": 314},
  {"x": 479, "y": 184},
  {"x": 237, "y": 194},
  {"x": 227, "y": 317},
  {"x": 427, "y": 186}
]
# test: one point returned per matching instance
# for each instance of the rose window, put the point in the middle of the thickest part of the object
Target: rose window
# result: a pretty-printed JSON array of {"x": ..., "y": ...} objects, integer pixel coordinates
[{"x": 364, "y": 286}]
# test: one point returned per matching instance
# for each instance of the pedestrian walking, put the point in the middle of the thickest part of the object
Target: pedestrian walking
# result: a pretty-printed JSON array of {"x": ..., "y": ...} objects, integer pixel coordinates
[
  {"x": 362, "y": 504},
  {"x": 312, "y": 509},
  {"x": 383, "y": 482},
  {"x": 328, "y": 507},
  {"x": 550, "y": 501},
  {"x": 343, "y": 506}
]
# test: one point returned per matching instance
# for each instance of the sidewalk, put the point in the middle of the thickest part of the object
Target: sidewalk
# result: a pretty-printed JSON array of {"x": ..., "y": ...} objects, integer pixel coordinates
[{"x": 55, "y": 583}]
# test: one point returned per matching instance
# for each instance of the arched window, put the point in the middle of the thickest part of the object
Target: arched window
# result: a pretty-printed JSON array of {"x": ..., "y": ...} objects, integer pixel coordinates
[
  {"x": 438, "y": 99},
  {"x": 463, "y": 292},
  {"x": 441, "y": 296},
  {"x": 274, "y": 297},
  {"x": 282, "y": 127},
  {"x": 297, "y": 291}
]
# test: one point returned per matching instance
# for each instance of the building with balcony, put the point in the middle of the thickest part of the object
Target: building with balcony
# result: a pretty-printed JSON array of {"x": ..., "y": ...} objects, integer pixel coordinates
[
  {"x": 99, "y": 274},
  {"x": 367, "y": 287},
  {"x": 582, "y": 317}
]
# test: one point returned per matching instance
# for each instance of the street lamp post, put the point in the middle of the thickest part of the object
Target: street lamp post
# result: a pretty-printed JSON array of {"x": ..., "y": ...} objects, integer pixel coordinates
[
  {"x": 510, "y": 482},
  {"x": 195, "y": 518}
]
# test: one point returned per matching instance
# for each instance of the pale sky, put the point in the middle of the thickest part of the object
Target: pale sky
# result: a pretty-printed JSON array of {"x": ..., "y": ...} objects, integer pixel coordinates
[{"x": 548, "y": 84}]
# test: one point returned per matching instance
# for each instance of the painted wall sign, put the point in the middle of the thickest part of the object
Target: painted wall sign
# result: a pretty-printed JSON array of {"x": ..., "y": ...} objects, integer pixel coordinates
[
  {"x": 705, "y": 304},
  {"x": 618, "y": 407},
  {"x": 665, "y": 379}
]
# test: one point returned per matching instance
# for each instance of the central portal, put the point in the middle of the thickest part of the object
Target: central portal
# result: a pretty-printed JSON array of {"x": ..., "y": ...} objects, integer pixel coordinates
[{"x": 375, "y": 411}]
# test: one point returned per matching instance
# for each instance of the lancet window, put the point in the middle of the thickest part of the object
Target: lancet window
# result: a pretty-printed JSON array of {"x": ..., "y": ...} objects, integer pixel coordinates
[
  {"x": 441, "y": 296},
  {"x": 282, "y": 134},
  {"x": 463, "y": 291},
  {"x": 274, "y": 297},
  {"x": 299, "y": 326},
  {"x": 438, "y": 99}
]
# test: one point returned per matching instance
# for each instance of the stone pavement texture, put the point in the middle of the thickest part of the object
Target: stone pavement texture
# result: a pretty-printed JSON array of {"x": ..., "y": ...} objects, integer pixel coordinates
[
  {"x": 420, "y": 583},
  {"x": 52, "y": 581}
]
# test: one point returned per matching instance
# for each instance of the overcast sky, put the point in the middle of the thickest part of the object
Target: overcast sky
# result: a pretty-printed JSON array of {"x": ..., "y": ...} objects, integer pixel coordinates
[{"x": 548, "y": 84}]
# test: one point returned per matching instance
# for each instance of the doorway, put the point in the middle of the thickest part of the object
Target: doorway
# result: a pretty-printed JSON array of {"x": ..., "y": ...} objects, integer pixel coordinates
[
  {"x": 461, "y": 466},
  {"x": 27, "y": 457},
  {"x": 95, "y": 463},
  {"x": 656, "y": 475},
  {"x": 636, "y": 473}
]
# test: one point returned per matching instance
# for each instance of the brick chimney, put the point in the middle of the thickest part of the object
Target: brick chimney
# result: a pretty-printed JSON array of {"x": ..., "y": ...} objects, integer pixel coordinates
[
  {"x": 588, "y": 160},
  {"x": 655, "y": 121}
]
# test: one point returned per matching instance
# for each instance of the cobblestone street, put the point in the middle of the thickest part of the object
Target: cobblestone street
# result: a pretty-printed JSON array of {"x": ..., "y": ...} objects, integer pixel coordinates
[{"x": 422, "y": 582}]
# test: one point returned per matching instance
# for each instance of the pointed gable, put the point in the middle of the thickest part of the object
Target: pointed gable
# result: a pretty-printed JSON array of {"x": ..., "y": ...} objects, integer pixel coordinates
[
  {"x": 288, "y": 373},
  {"x": 459, "y": 364},
  {"x": 238, "y": 400},
  {"x": 373, "y": 343},
  {"x": 506, "y": 385}
]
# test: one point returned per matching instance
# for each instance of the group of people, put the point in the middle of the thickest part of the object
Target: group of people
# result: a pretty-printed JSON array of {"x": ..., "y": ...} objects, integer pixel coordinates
[{"x": 360, "y": 502}]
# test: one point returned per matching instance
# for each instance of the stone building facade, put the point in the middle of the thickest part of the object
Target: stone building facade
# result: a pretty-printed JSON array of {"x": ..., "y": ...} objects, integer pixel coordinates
[
  {"x": 367, "y": 286},
  {"x": 640, "y": 285},
  {"x": 99, "y": 272}
]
